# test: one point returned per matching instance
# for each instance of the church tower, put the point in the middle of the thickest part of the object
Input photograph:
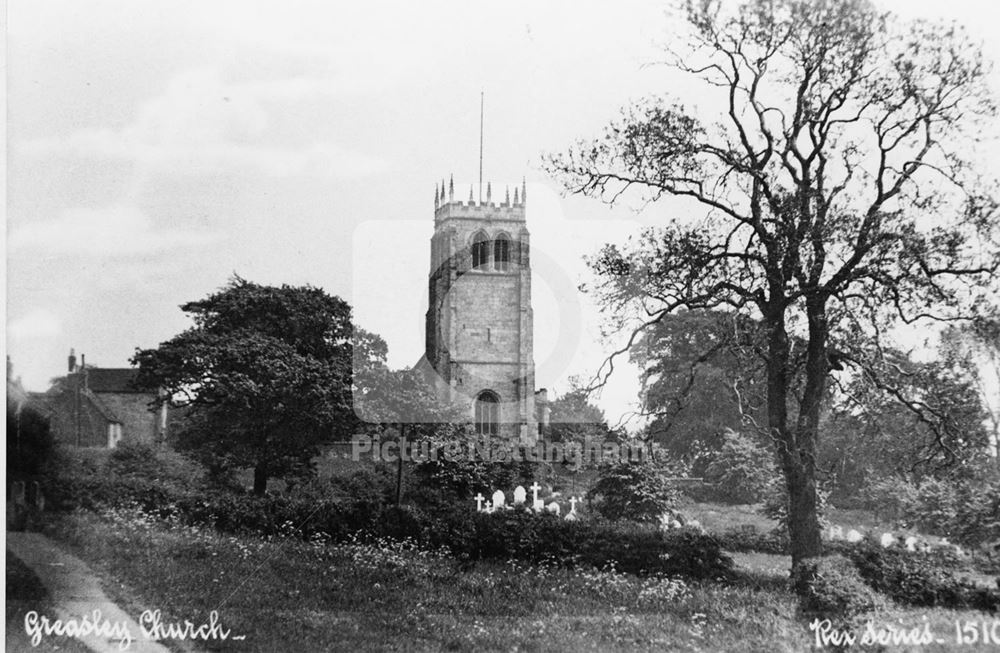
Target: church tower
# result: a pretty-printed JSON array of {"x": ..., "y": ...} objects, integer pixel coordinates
[{"x": 479, "y": 319}]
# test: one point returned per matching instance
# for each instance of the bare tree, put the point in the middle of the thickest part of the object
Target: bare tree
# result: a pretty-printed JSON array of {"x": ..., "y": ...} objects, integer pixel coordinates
[{"x": 833, "y": 198}]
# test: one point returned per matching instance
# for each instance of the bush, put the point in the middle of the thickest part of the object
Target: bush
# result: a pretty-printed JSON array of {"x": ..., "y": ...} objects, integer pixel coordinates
[
  {"x": 917, "y": 579},
  {"x": 775, "y": 542},
  {"x": 966, "y": 510},
  {"x": 544, "y": 538},
  {"x": 321, "y": 510},
  {"x": 152, "y": 478},
  {"x": 741, "y": 470},
  {"x": 635, "y": 491},
  {"x": 831, "y": 587},
  {"x": 448, "y": 480}
]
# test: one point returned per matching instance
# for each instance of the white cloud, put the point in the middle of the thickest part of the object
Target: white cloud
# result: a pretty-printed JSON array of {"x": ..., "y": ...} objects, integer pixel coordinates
[
  {"x": 36, "y": 324},
  {"x": 201, "y": 124},
  {"x": 109, "y": 231}
]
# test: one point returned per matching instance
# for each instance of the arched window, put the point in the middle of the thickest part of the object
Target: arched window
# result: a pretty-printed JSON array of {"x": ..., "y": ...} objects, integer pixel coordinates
[
  {"x": 487, "y": 413},
  {"x": 480, "y": 251},
  {"x": 501, "y": 253}
]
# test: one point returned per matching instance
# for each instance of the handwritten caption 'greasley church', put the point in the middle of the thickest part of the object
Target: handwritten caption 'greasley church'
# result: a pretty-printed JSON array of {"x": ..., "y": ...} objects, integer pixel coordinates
[{"x": 151, "y": 628}]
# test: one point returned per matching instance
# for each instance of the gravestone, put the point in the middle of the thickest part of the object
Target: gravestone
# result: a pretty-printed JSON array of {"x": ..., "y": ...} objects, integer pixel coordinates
[
  {"x": 520, "y": 495},
  {"x": 536, "y": 504},
  {"x": 499, "y": 500}
]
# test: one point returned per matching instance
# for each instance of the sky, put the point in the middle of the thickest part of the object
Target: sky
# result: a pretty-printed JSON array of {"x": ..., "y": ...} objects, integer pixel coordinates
[{"x": 155, "y": 149}]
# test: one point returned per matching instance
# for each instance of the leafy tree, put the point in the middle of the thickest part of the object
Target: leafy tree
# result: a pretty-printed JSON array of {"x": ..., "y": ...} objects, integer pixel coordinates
[
  {"x": 974, "y": 347},
  {"x": 266, "y": 374},
  {"x": 702, "y": 375},
  {"x": 638, "y": 491},
  {"x": 830, "y": 201},
  {"x": 932, "y": 424},
  {"x": 29, "y": 441},
  {"x": 574, "y": 419},
  {"x": 404, "y": 406},
  {"x": 742, "y": 468}
]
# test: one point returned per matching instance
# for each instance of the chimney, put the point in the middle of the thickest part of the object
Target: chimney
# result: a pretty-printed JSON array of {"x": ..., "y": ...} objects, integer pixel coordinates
[{"x": 71, "y": 361}]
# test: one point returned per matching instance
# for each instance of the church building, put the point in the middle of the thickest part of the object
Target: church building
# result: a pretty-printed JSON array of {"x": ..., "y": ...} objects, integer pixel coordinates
[{"x": 479, "y": 320}]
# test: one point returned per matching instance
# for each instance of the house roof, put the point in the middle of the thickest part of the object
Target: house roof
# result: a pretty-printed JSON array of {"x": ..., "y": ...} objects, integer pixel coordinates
[{"x": 113, "y": 379}]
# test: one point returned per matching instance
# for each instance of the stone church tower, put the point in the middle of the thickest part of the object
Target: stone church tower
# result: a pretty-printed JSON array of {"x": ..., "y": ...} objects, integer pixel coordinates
[{"x": 479, "y": 319}]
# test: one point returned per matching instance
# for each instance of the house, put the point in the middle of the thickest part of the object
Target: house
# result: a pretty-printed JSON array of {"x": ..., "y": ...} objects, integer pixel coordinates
[{"x": 102, "y": 407}]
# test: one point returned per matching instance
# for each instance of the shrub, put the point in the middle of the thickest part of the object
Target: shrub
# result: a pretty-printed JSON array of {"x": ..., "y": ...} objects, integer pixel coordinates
[
  {"x": 154, "y": 479},
  {"x": 636, "y": 491},
  {"x": 774, "y": 542},
  {"x": 373, "y": 486},
  {"x": 831, "y": 587},
  {"x": 917, "y": 579},
  {"x": 133, "y": 458},
  {"x": 544, "y": 538},
  {"x": 966, "y": 510},
  {"x": 776, "y": 503},
  {"x": 741, "y": 470},
  {"x": 446, "y": 480}
]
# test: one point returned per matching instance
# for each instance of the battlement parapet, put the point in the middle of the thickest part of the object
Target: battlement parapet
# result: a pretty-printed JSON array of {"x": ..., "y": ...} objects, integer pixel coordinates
[{"x": 446, "y": 206}]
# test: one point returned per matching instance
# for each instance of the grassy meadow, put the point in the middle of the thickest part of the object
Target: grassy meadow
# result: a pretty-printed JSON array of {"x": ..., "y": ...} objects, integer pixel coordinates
[{"x": 286, "y": 594}]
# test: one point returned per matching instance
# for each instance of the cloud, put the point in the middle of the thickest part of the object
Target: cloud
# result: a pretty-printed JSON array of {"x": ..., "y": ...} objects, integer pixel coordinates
[
  {"x": 109, "y": 231},
  {"x": 36, "y": 324},
  {"x": 201, "y": 124}
]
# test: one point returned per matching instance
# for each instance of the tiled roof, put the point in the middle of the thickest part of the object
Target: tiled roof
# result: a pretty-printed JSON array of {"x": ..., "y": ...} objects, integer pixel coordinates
[{"x": 112, "y": 379}]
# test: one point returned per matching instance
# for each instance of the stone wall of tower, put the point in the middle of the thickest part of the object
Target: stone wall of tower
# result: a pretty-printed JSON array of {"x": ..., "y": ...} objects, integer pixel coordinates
[{"x": 479, "y": 321}]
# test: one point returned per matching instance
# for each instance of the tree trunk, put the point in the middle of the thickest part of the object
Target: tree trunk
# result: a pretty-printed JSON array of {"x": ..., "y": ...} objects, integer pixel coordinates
[
  {"x": 804, "y": 505},
  {"x": 797, "y": 454},
  {"x": 803, "y": 516},
  {"x": 260, "y": 479},
  {"x": 399, "y": 467}
]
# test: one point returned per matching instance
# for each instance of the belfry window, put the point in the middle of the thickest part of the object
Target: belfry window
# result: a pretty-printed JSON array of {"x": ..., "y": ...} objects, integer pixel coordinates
[
  {"x": 501, "y": 253},
  {"x": 487, "y": 413},
  {"x": 480, "y": 251}
]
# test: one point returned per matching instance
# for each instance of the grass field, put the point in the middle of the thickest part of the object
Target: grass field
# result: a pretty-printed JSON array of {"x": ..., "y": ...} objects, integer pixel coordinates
[
  {"x": 293, "y": 595},
  {"x": 289, "y": 595}
]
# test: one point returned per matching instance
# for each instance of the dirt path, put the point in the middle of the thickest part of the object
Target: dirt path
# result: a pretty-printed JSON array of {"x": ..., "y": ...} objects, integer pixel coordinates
[{"x": 76, "y": 593}]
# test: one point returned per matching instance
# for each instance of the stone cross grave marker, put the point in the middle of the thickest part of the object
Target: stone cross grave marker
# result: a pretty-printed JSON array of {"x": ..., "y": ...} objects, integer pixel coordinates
[{"x": 536, "y": 503}]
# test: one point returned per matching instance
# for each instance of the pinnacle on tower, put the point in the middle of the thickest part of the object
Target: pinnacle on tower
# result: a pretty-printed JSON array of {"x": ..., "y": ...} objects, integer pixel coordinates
[
  {"x": 516, "y": 200},
  {"x": 524, "y": 191},
  {"x": 506, "y": 199},
  {"x": 436, "y": 196},
  {"x": 470, "y": 195},
  {"x": 451, "y": 188},
  {"x": 489, "y": 193}
]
